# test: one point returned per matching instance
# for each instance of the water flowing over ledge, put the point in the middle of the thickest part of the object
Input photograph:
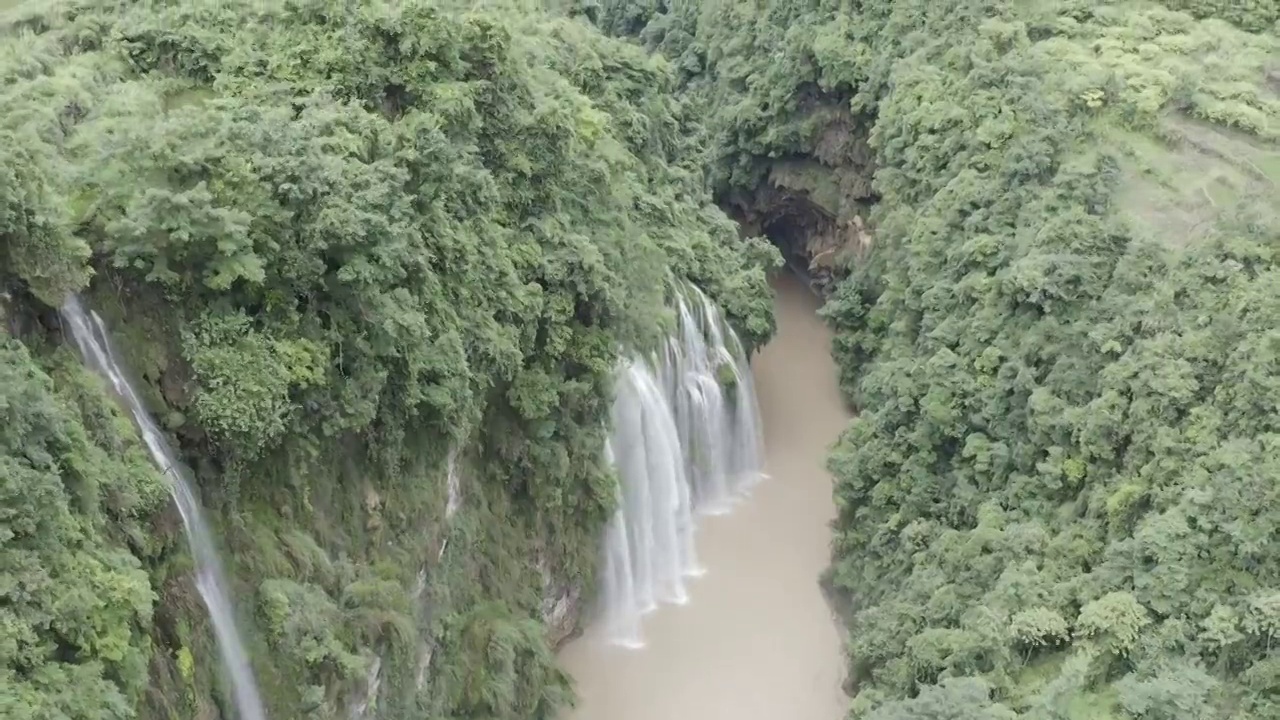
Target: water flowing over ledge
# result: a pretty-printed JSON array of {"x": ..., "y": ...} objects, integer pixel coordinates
[
  {"x": 686, "y": 441},
  {"x": 90, "y": 336}
]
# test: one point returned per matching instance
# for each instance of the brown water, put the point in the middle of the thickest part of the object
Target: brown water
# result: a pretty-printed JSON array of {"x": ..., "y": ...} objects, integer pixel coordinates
[{"x": 757, "y": 640}]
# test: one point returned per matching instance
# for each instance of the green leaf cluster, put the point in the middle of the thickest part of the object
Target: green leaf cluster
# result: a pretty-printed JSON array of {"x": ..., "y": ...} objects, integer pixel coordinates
[
  {"x": 1045, "y": 487},
  {"x": 1254, "y": 15},
  {"x": 75, "y": 601}
]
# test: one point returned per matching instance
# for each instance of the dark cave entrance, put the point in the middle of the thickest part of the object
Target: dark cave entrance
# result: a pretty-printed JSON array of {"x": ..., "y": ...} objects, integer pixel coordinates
[
  {"x": 790, "y": 232},
  {"x": 816, "y": 244}
]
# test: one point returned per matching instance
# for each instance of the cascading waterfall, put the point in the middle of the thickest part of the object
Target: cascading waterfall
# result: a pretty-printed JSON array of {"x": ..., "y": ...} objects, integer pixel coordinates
[
  {"x": 721, "y": 435},
  {"x": 686, "y": 440},
  {"x": 90, "y": 336}
]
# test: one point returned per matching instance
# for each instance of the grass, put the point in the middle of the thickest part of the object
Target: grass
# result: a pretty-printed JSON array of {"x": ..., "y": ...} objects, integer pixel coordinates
[
  {"x": 1191, "y": 109},
  {"x": 1176, "y": 186},
  {"x": 1097, "y": 704}
]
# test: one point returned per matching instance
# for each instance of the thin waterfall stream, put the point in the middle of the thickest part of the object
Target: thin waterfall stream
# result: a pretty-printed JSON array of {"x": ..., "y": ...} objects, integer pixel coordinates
[{"x": 90, "y": 336}]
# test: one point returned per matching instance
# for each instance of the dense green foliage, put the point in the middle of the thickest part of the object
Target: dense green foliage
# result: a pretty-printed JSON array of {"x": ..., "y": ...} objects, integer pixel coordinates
[
  {"x": 355, "y": 249},
  {"x": 1255, "y": 15},
  {"x": 1060, "y": 482},
  {"x": 75, "y": 491},
  {"x": 335, "y": 241},
  {"x": 1058, "y": 500}
]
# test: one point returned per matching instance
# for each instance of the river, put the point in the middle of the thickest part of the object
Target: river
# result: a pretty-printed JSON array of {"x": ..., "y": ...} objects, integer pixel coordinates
[{"x": 757, "y": 640}]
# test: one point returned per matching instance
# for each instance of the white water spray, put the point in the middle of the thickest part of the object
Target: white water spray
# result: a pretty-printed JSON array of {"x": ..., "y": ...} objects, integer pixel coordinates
[
  {"x": 90, "y": 336},
  {"x": 686, "y": 440}
]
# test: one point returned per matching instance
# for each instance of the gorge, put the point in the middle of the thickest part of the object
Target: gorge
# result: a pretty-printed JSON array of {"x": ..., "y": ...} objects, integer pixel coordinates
[
  {"x": 455, "y": 360},
  {"x": 756, "y": 639}
]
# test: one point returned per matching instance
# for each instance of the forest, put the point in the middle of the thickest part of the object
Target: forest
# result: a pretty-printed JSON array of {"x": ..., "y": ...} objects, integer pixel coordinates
[
  {"x": 1058, "y": 498},
  {"x": 350, "y": 251},
  {"x": 358, "y": 251}
]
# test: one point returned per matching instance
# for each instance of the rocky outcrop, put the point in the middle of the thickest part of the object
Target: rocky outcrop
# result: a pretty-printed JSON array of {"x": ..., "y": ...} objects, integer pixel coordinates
[
  {"x": 817, "y": 243},
  {"x": 815, "y": 207},
  {"x": 373, "y": 681},
  {"x": 560, "y": 610},
  {"x": 561, "y": 605},
  {"x": 360, "y": 705}
]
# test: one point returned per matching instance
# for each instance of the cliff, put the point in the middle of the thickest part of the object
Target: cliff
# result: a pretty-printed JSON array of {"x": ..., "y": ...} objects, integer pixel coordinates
[
  {"x": 1054, "y": 498},
  {"x": 372, "y": 268}
]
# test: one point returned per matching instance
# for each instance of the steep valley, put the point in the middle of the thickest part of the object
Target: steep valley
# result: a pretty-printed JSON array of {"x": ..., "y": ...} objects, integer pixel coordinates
[{"x": 452, "y": 318}]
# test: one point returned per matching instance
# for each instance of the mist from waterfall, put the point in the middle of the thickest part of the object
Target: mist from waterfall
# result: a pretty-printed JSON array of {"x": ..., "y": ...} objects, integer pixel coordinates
[
  {"x": 686, "y": 441},
  {"x": 90, "y": 336}
]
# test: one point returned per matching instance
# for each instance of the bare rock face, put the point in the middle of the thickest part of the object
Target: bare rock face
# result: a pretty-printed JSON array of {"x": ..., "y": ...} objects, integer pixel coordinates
[
  {"x": 1273, "y": 81},
  {"x": 814, "y": 208},
  {"x": 818, "y": 244},
  {"x": 373, "y": 681},
  {"x": 561, "y": 616},
  {"x": 6, "y": 315},
  {"x": 561, "y": 606},
  {"x": 844, "y": 242}
]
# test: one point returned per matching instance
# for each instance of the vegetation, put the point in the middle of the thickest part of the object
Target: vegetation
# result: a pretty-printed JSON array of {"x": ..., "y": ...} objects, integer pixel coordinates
[
  {"x": 350, "y": 249},
  {"x": 355, "y": 250},
  {"x": 1058, "y": 484},
  {"x": 76, "y": 489},
  {"x": 1057, "y": 500}
]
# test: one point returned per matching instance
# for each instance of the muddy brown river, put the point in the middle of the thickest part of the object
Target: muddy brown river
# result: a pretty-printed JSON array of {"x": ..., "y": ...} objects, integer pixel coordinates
[{"x": 757, "y": 640}]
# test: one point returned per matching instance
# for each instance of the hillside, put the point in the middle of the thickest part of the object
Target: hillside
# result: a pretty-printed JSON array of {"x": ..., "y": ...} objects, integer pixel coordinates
[
  {"x": 374, "y": 267},
  {"x": 1056, "y": 311}
]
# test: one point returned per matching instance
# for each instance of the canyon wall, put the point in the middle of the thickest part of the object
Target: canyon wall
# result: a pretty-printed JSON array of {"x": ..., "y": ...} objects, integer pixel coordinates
[{"x": 373, "y": 273}]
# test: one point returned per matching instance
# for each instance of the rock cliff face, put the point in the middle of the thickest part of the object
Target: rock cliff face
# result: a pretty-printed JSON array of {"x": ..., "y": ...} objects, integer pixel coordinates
[
  {"x": 560, "y": 608},
  {"x": 816, "y": 244},
  {"x": 815, "y": 208}
]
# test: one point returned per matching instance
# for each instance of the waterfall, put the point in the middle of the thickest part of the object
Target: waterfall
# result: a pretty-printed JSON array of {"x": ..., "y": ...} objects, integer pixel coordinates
[
  {"x": 90, "y": 336},
  {"x": 686, "y": 440}
]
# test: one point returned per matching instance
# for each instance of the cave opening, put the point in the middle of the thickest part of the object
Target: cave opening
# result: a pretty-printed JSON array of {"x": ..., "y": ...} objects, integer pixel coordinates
[
  {"x": 816, "y": 244},
  {"x": 791, "y": 232}
]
